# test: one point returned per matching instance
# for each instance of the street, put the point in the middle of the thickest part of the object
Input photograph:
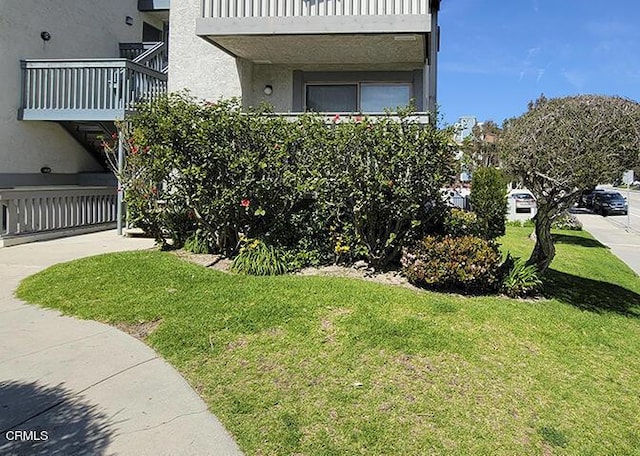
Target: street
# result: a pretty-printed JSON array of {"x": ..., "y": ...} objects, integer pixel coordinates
[{"x": 612, "y": 230}]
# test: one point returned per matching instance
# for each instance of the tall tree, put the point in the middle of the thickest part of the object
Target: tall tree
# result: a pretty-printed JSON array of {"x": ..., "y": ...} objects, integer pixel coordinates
[
  {"x": 480, "y": 149},
  {"x": 564, "y": 145}
]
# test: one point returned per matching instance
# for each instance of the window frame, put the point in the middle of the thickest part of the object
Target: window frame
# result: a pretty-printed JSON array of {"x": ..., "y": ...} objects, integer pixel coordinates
[{"x": 301, "y": 79}]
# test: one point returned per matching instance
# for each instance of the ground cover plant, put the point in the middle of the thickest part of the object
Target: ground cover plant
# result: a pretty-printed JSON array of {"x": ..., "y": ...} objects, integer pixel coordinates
[{"x": 326, "y": 366}]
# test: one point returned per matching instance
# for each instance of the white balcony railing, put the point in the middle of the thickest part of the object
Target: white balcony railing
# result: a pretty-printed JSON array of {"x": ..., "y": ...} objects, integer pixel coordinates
[
  {"x": 29, "y": 211},
  {"x": 86, "y": 89},
  {"x": 305, "y": 8}
]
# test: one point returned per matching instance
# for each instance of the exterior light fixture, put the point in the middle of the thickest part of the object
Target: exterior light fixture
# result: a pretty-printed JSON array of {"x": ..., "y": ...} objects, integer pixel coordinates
[
  {"x": 45, "y": 170},
  {"x": 46, "y": 36},
  {"x": 268, "y": 90},
  {"x": 404, "y": 38},
  {"x": 128, "y": 20}
]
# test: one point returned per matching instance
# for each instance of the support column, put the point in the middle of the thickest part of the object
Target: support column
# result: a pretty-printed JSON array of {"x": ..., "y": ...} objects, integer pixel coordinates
[
  {"x": 120, "y": 203},
  {"x": 431, "y": 67}
]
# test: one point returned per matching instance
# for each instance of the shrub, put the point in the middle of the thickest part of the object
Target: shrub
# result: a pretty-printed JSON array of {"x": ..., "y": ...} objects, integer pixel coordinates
[
  {"x": 489, "y": 200},
  {"x": 567, "y": 221},
  {"x": 521, "y": 280},
  {"x": 299, "y": 185},
  {"x": 469, "y": 264},
  {"x": 257, "y": 258},
  {"x": 459, "y": 222}
]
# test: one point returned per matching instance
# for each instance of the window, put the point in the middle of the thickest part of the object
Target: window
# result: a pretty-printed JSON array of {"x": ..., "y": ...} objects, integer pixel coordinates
[
  {"x": 356, "y": 91},
  {"x": 378, "y": 97},
  {"x": 332, "y": 98},
  {"x": 357, "y": 97}
]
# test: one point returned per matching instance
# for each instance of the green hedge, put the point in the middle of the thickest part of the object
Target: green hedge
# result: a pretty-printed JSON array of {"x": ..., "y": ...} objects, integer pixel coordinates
[{"x": 353, "y": 188}]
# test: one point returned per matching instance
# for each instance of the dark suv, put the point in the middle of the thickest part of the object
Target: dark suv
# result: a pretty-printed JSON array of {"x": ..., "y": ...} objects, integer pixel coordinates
[{"x": 608, "y": 202}]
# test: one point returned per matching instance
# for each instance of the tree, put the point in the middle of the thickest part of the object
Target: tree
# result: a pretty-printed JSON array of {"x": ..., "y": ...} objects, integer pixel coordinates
[
  {"x": 564, "y": 145},
  {"x": 489, "y": 201},
  {"x": 481, "y": 147}
]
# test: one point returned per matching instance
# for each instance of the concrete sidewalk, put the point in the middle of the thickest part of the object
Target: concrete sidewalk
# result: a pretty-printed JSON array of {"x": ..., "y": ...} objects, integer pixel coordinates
[
  {"x": 71, "y": 386},
  {"x": 611, "y": 232}
]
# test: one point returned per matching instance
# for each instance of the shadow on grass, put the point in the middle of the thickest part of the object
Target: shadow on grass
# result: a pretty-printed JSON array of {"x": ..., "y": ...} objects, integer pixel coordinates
[
  {"x": 591, "y": 295},
  {"x": 577, "y": 240},
  {"x": 39, "y": 420}
]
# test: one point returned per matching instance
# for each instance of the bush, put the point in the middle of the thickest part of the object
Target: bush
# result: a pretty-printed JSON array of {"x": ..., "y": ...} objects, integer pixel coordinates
[
  {"x": 459, "y": 222},
  {"x": 258, "y": 258},
  {"x": 303, "y": 185},
  {"x": 567, "y": 221},
  {"x": 469, "y": 264},
  {"x": 489, "y": 200},
  {"x": 521, "y": 280}
]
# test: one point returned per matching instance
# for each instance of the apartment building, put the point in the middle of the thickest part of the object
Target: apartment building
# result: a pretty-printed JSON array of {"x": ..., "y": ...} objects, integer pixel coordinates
[
  {"x": 299, "y": 55},
  {"x": 61, "y": 66},
  {"x": 71, "y": 68}
]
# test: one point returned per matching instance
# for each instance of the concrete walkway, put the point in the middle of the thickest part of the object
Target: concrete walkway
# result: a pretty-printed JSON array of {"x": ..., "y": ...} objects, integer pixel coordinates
[
  {"x": 611, "y": 232},
  {"x": 71, "y": 386}
]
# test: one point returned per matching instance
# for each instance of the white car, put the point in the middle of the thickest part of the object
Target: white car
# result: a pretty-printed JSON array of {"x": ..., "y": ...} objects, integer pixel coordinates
[{"x": 523, "y": 200}]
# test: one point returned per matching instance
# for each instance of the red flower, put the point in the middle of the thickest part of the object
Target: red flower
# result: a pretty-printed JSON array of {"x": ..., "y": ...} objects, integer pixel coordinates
[
  {"x": 114, "y": 135},
  {"x": 336, "y": 118},
  {"x": 134, "y": 150},
  {"x": 146, "y": 149},
  {"x": 359, "y": 119},
  {"x": 154, "y": 190},
  {"x": 245, "y": 203}
]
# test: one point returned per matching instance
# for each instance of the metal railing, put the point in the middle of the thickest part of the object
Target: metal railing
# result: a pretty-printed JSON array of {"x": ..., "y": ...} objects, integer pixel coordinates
[
  {"x": 30, "y": 210},
  {"x": 86, "y": 89},
  {"x": 152, "y": 55},
  {"x": 296, "y": 8}
]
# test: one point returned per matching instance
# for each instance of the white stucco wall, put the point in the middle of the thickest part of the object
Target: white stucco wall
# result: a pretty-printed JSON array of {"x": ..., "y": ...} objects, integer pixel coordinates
[
  {"x": 78, "y": 28},
  {"x": 277, "y": 76},
  {"x": 208, "y": 72}
]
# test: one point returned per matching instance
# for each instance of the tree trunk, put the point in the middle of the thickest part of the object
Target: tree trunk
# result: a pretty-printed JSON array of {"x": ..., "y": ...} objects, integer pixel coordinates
[{"x": 544, "y": 250}]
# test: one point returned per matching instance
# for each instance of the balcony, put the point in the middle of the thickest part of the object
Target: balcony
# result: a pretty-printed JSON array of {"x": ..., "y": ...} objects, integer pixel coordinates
[
  {"x": 86, "y": 89},
  {"x": 338, "y": 31}
]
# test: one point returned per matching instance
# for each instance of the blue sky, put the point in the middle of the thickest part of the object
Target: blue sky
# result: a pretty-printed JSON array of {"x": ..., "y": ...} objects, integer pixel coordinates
[{"x": 496, "y": 55}]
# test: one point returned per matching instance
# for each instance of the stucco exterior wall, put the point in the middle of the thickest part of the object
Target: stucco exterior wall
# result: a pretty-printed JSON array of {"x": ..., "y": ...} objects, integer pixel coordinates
[
  {"x": 280, "y": 78},
  {"x": 78, "y": 28},
  {"x": 208, "y": 72}
]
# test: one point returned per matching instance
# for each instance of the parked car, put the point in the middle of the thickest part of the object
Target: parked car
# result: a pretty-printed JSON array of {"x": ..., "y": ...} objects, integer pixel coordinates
[
  {"x": 523, "y": 200},
  {"x": 586, "y": 197},
  {"x": 609, "y": 202}
]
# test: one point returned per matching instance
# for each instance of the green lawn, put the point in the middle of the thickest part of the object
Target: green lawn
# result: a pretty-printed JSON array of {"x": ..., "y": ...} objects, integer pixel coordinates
[{"x": 330, "y": 366}]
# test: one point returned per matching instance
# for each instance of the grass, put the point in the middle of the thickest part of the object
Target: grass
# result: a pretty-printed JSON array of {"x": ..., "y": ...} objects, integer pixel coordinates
[{"x": 331, "y": 366}]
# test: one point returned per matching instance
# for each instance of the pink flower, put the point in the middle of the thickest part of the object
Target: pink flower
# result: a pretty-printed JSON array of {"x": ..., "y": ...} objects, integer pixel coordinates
[
  {"x": 359, "y": 118},
  {"x": 277, "y": 146},
  {"x": 134, "y": 150},
  {"x": 336, "y": 118},
  {"x": 245, "y": 203}
]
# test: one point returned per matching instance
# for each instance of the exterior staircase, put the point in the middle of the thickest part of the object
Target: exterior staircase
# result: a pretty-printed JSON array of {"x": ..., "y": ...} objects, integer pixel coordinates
[{"x": 87, "y": 96}]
